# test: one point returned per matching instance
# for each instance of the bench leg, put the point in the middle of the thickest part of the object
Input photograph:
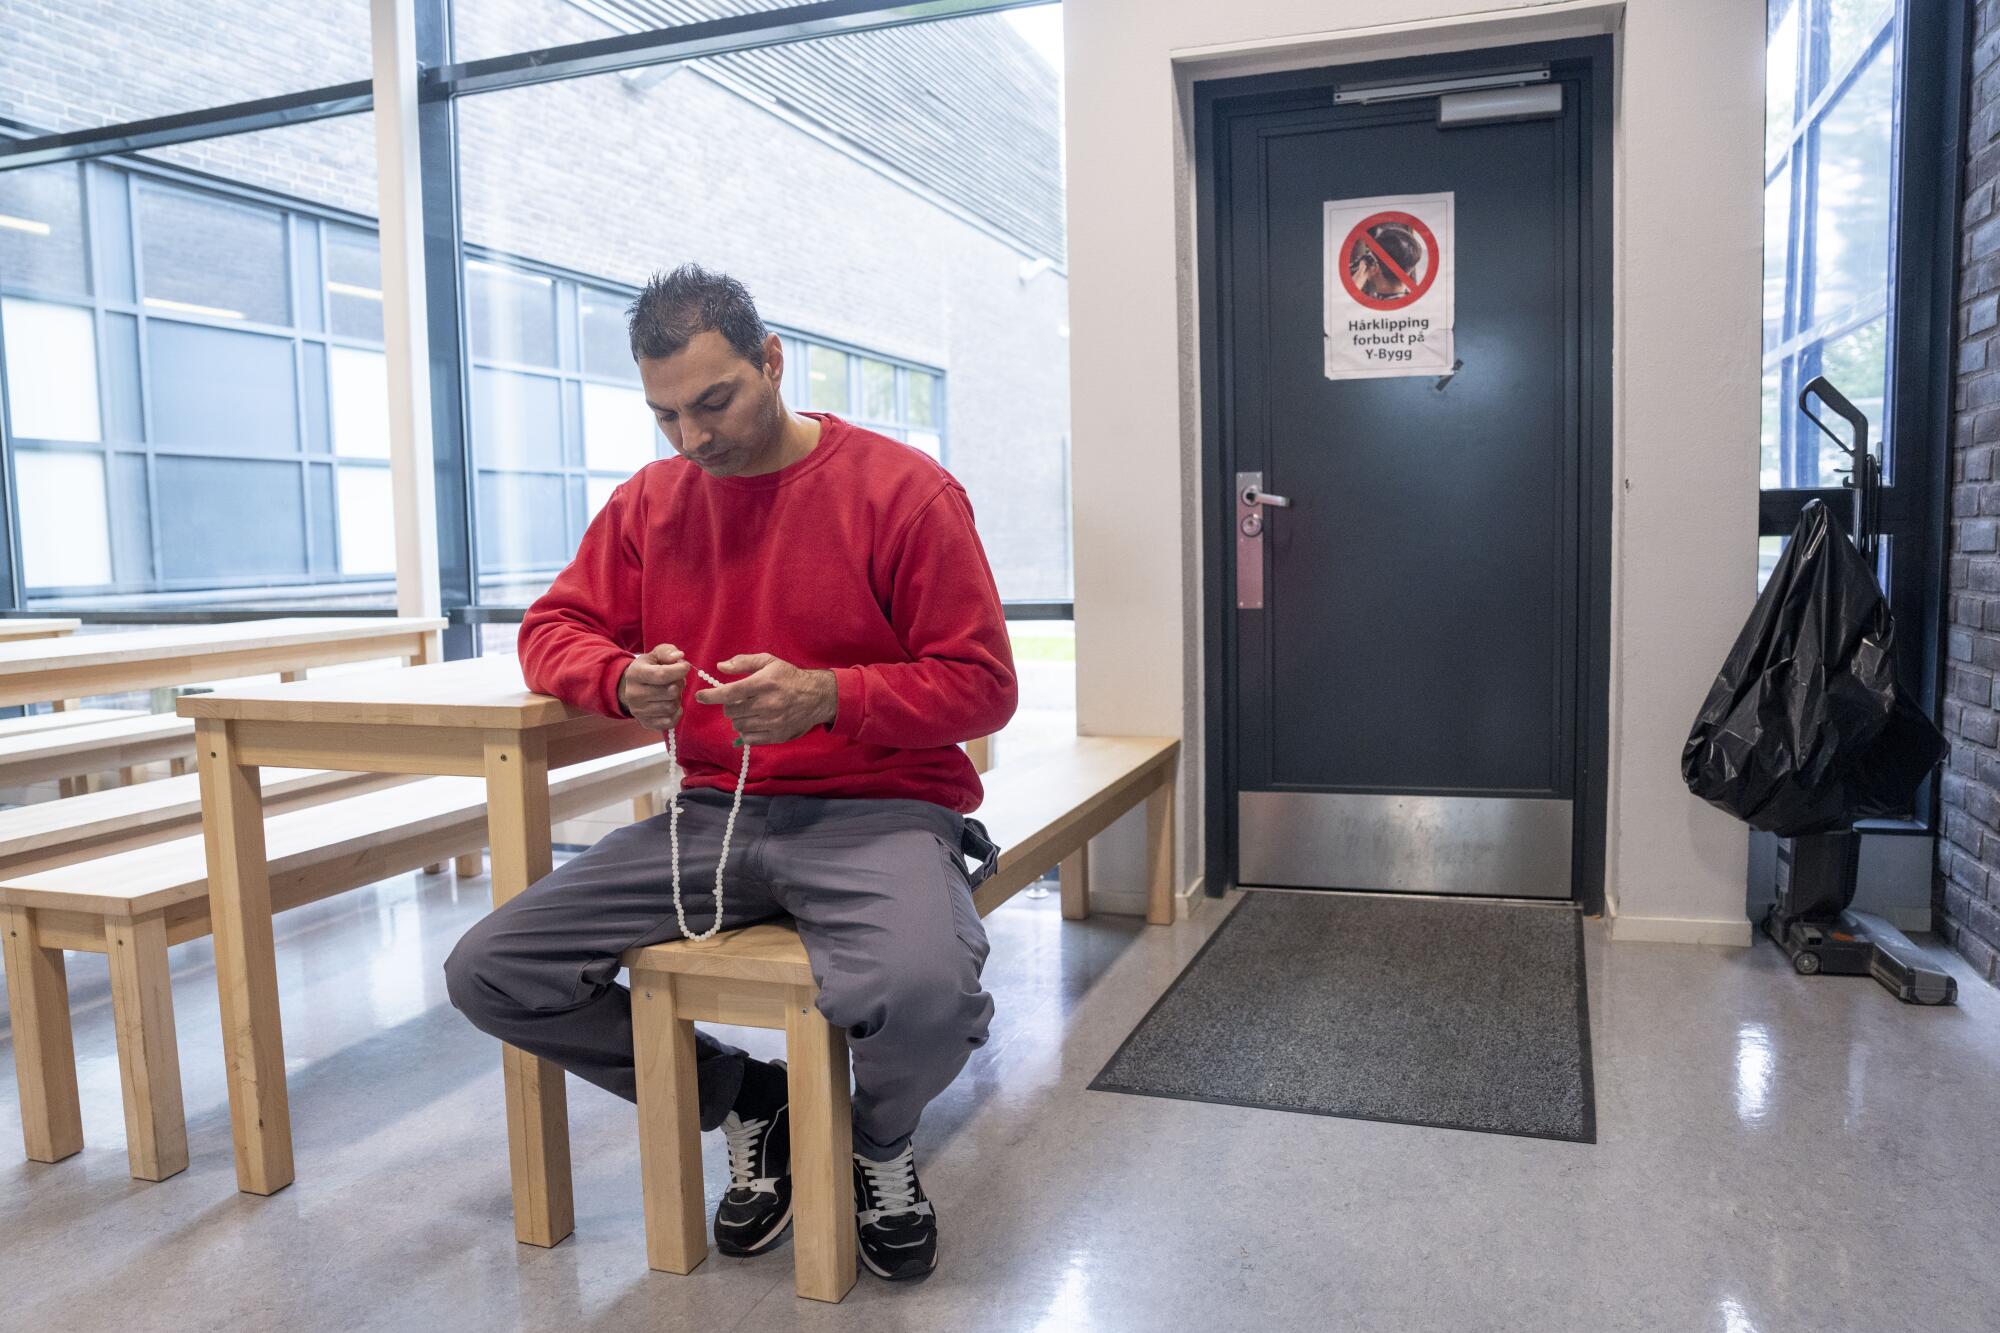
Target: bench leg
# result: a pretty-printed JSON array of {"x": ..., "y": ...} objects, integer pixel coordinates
[
  {"x": 823, "y": 1239},
  {"x": 644, "y": 806},
  {"x": 74, "y": 786},
  {"x": 149, "y": 1065},
  {"x": 437, "y": 867},
  {"x": 1074, "y": 872},
  {"x": 131, "y": 775},
  {"x": 179, "y": 766},
  {"x": 44, "y": 1056},
  {"x": 1160, "y": 853},
  {"x": 517, "y": 832},
  {"x": 471, "y": 865},
  {"x": 669, "y": 1128}
]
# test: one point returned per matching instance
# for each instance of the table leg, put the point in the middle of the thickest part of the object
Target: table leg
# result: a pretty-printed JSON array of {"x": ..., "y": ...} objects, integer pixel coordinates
[
  {"x": 246, "y": 961},
  {"x": 517, "y": 840},
  {"x": 1160, "y": 853}
]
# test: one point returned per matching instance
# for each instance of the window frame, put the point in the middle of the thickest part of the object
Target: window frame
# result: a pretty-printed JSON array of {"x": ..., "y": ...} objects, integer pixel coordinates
[
  {"x": 303, "y": 222},
  {"x": 1927, "y": 168},
  {"x": 444, "y": 81}
]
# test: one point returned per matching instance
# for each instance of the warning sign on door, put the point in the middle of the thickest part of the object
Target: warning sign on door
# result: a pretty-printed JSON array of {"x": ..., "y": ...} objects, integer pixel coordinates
[{"x": 1388, "y": 286}]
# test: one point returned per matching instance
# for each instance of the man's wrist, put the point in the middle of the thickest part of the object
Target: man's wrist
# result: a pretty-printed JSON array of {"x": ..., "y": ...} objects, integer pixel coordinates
[{"x": 829, "y": 687}]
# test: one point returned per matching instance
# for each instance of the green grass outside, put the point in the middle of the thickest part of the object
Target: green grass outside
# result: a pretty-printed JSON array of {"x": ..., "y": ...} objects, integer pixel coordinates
[{"x": 1044, "y": 647}]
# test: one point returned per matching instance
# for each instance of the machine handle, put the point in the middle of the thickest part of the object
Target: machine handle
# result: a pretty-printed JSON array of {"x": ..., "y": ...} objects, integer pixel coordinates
[{"x": 1819, "y": 387}]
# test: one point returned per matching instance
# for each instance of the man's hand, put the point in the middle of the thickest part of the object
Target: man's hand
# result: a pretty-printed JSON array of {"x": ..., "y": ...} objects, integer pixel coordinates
[
  {"x": 777, "y": 702},
  {"x": 650, "y": 689}
]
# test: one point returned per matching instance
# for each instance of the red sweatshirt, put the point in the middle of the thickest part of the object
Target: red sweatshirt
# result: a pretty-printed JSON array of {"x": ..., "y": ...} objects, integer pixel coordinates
[{"x": 860, "y": 557}]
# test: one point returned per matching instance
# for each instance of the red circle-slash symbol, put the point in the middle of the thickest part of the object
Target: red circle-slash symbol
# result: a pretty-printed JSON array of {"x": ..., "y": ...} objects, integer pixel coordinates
[{"x": 1362, "y": 235}]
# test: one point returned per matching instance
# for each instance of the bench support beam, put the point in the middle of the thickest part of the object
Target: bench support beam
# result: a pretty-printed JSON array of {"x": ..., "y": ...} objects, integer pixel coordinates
[{"x": 44, "y": 1055}]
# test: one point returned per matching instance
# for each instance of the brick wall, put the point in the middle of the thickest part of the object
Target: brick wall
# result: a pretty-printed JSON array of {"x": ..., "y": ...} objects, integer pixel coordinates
[
  {"x": 1966, "y": 889},
  {"x": 616, "y": 176}
]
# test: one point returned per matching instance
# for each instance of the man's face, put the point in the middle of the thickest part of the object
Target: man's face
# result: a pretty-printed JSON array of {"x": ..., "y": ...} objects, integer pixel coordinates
[{"x": 719, "y": 411}]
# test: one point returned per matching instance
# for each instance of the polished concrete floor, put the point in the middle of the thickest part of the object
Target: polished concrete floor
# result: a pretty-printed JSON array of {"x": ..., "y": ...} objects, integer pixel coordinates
[{"x": 1774, "y": 1154}]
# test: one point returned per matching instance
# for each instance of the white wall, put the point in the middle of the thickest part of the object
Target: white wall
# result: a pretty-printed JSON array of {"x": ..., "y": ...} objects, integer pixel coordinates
[{"x": 1688, "y": 201}]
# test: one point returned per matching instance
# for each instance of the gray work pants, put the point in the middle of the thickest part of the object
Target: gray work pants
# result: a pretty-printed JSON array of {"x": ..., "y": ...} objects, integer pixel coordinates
[{"x": 877, "y": 888}]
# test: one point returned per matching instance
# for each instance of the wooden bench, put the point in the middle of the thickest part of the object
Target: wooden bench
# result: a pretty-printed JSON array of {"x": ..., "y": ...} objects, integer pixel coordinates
[
  {"x": 35, "y": 723},
  {"x": 133, "y": 905},
  {"x": 15, "y": 628},
  {"x": 1043, "y": 812},
  {"x": 54, "y": 833},
  {"x": 95, "y": 747}
]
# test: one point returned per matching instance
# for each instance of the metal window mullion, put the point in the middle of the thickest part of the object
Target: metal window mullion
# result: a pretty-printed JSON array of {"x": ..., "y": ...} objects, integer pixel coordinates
[
  {"x": 1853, "y": 317},
  {"x": 93, "y": 262},
  {"x": 300, "y": 434},
  {"x": 707, "y": 37},
  {"x": 1838, "y": 82},
  {"x": 156, "y": 572},
  {"x": 1805, "y": 193},
  {"x": 134, "y": 136}
]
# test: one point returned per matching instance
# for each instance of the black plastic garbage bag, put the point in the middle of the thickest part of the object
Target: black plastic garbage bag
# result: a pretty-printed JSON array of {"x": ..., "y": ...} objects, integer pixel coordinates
[{"x": 1805, "y": 729}]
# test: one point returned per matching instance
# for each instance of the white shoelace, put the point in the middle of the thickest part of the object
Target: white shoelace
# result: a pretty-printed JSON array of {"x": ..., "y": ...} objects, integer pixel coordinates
[
  {"x": 741, "y": 1136},
  {"x": 893, "y": 1184},
  {"x": 674, "y": 826}
]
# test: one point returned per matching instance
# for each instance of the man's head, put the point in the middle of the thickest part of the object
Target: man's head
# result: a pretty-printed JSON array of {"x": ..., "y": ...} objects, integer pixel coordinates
[
  {"x": 1373, "y": 276},
  {"x": 710, "y": 368}
]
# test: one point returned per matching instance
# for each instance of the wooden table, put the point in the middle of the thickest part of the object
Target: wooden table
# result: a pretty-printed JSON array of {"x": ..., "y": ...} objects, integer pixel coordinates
[
  {"x": 16, "y": 627},
  {"x": 472, "y": 718},
  {"x": 37, "y": 671}
]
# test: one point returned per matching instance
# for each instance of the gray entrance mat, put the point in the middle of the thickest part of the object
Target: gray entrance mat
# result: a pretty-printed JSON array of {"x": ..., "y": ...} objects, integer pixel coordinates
[{"x": 1427, "y": 1011}]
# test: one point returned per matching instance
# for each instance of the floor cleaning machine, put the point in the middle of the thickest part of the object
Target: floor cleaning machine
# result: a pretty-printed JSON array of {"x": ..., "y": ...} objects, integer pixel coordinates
[
  {"x": 1812, "y": 920},
  {"x": 1813, "y": 924}
]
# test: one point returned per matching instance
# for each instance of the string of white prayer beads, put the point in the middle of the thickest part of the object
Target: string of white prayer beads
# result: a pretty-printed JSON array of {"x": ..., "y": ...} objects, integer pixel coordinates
[{"x": 674, "y": 829}]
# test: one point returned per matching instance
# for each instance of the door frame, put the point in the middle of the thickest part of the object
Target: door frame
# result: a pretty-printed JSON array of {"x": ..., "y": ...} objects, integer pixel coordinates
[{"x": 1217, "y": 102}]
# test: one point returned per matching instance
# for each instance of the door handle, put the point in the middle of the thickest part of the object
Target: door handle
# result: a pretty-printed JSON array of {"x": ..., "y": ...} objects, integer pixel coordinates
[
  {"x": 1251, "y": 498},
  {"x": 1253, "y": 495}
]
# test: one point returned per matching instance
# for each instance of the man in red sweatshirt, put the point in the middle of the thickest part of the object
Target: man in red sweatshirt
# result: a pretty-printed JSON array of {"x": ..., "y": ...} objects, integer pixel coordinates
[{"x": 832, "y": 578}]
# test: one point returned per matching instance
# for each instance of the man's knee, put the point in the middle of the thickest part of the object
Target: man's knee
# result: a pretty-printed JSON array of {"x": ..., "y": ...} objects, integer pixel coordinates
[
  {"x": 466, "y": 971},
  {"x": 925, "y": 1006}
]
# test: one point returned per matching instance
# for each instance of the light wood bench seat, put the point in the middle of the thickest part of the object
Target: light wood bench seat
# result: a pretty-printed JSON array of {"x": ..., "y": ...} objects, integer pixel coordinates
[
  {"x": 94, "y": 747},
  {"x": 55, "y": 833},
  {"x": 134, "y": 904},
  {"x": 1042, "y": 811},
  {"x": 33, "y": 723}
]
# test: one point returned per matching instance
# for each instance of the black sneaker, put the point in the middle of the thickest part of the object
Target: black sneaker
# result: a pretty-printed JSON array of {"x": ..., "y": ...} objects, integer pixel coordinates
[
  {"x": 756, "y": 1209},
  {"x": 897, "y": 1225}
]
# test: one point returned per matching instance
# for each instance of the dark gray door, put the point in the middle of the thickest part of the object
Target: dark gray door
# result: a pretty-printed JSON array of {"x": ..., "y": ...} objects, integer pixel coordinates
[{"x": 1406, "y": 703}]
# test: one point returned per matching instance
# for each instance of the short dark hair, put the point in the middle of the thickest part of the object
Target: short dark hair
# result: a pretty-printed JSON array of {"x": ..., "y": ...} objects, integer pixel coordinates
[{"x": 675, "y": 307}]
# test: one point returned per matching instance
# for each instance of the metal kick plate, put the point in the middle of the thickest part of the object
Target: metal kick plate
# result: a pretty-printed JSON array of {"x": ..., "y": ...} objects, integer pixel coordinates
[
  {"x": 1491, "y": 846},
  {"x": 1249, "y": 545}
]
